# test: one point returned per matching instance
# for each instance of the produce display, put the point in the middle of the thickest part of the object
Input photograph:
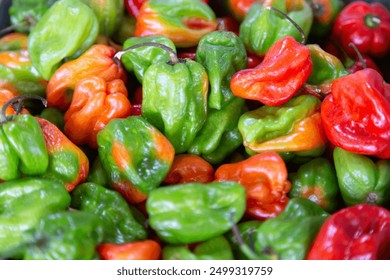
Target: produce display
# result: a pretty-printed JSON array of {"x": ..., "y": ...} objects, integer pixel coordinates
[{"x": 195, "y": 130}]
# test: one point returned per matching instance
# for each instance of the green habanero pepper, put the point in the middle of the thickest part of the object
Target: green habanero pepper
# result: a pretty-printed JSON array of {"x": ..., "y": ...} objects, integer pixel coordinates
[
  {"x": 289, "y": 235},
  {"x": 66, "y": 235},
  {"x": 194, "y": 212},
  {"x": 119, "y": 223},
  {"x": 53, "y": 115},
  {"x": 24, "y": 202},
  {"x": 135, "y": 156},
  {"x": 97, "y": 174},
  {"x": 217, "y": 248},
  {"x": 222, "y": 53},
  {"x": 64, "y": 32},
  {"x": 361, "y": 179}
]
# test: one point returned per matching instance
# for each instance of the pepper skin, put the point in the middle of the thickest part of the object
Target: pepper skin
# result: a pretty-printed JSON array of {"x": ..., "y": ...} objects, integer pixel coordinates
[
  {"x": 13, "y": 42},
  {"x": 194, "y": 212},
  {"x": 137, "y": 250},
  {"x": 360, "y": 232}
]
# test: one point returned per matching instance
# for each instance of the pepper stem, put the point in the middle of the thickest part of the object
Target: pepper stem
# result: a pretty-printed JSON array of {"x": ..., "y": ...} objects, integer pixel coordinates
[
  {"x": 372, "y": 198},
  {"x": 372, "y": 21},
  {"x": 28, "y": 21},
  {"x": 173, "y": 57},
  {"x": 361, "y": 59},
  {"x": 303, "y": 41},
  {"x": 17, "y": 103}
]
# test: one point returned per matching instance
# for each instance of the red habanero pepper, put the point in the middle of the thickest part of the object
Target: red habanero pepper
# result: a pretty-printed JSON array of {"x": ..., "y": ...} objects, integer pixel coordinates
[
  {"x": 188, "y": 168},
  {"x": 360, "y": 232},
  {"x": 265, "y": 178},
  {"x": 138, "y": 250},
  {"x": 356, "y": 115},
  {"x": 285, "y": 68},
  {"x": 367, "y": 25}
]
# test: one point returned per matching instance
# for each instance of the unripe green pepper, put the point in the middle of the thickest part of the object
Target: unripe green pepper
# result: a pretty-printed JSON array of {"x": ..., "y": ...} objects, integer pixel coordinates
[
  {"x": 361, "y": 179},
  {"x": 66, "y": 235},
  {"x": 97, "y": 174},
  {"x": 194, "y": 212},
  {"x": 24, "y": 202},
  {"x": 217, "y": 248},
  {"x": 119, "y": 223},
  {"x": 222, "y": 53},
  {"x": 53, "y": 115}
]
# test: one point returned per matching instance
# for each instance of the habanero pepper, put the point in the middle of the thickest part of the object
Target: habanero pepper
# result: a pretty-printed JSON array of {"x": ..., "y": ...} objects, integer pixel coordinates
[
  {"x": 13, "y": 42},
  {"x": 137, "y": 250}
]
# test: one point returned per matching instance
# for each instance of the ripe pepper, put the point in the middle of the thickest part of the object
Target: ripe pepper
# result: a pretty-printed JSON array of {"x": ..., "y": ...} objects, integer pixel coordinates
[
  {"x": 135, "y": 155},
  {"x": 97, "y": 174},
  {"x": 17, "y": 156},
  {"x": 239, "y": 8},
  {"x": 94, "y": 103},
  {"x": 137, "y": 250},
  {"x": 140, "y": 58},
  {"x": 67, "y": 162},
  {"x": 316, "y": 180},
  {"x": 120, "y": 224},
  {"x": 217, "y": 248},
  {"x": 360, "y": 232},
  {"x": 13, "y": 42},
  {"x": 197, "y": 211},
  {"x": 293, "y": 127},
  {"x": 356, "y": 115},
  {"x": 24, "y": 203},
  {"x": 19, "y": 75},
  {"x": 285, "y": 68},
  {"x": 366, "y": 25},
  {"x": 264, "y": 177},
  {"x": 188, "y": 168},
  {"x": 219, "y": 136},
  {"x": 222, "y": 53},
  {"x": 174, "y": 100},
  {"x": 66, "y": 235},
  {"x": 66, "y": 30},
  {"x": 97, "y": 61},
  {"x": 262, "y": 27},
  {"x": 289, "y": 235},
  {"x": 361, "y": 179},
  {"x": 185, "y": 22}
]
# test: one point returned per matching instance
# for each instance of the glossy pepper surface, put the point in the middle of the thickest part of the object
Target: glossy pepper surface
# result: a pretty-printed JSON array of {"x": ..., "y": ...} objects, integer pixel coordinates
[
  {"x": 119, "y": 222},
  {"x": 356, "y": 115},
  {"x": 264, "y": 177},
  {"x": 27, "y": 201},
  {"x": 195, "y": 212},
  {"x": 361, "y": 178},
  {"x": 359, "y": 232},
  {"x": 135, "y": 155},
  {"x": 137, "y": 250},
  {"x": 185, "y": 22},
  {"x": 285, "y": 68},
  {"x": 65, "y": 31}
]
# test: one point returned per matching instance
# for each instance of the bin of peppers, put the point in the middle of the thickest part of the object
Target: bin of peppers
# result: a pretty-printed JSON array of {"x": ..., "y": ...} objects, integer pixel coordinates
[{"x": 195, "y": 130}]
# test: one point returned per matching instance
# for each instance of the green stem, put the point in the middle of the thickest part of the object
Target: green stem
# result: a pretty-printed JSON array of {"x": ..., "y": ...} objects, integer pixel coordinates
[{"x": 372, "y": 21}]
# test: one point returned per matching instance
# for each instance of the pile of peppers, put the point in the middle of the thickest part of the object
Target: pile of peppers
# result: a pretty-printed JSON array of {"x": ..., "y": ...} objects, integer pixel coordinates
[{"x": 195, "y": 130}]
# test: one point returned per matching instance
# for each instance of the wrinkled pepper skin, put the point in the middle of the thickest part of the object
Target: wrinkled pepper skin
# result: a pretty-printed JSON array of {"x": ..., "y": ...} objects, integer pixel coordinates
[
  {"x": 139, "y": 59},
  {"x": 217, "y": 248},
  {"x": 185, "y": 22},
  {"x": 316, "y": 180},
  {"x": 264, "y": 177},
  {"x": 194, "y": 212},
  {"x": 97, "y": 61},
  {"x": 188, "y": 168},
  {"x": 222, "y": 53},
  {"x": 285, "y": 68},
  {"x": 19, "y": 75},
  {"x": 119, "y": 223},
  {"x": 219, "y": 136},
  {"x": 67, "y": 162},
  {"x": 293, "y": 127},
  {"x": 356, "y": 115},
  {"x": 65, "y": 31},
  {"x": 174, "y": 100},
  {"x": 135, "y": 155},
  {"x": 289, "y": 235},
  {"x": 262, "y": 27},
  {"x": 14, "y": 41},
  {"x": 94, "y": 103},
  {"x": 24, "y": 203},
  {"x": 360, "y": 232},
  {"x": 20, "y": 157},
  {"x": 361, "y": 179},
  {"x": 137, "y": 250},
  {"x": 66, "y": 235}
]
